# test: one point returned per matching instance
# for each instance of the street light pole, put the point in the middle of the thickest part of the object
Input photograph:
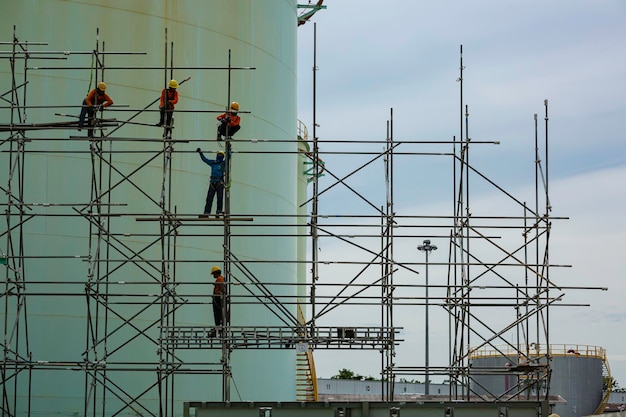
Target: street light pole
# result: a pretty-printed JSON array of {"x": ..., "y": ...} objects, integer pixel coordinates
[{"x": 427, "y": 248}]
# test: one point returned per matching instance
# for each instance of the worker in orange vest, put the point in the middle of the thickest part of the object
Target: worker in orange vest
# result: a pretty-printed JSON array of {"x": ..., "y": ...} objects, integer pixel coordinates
[
  {"x": 169, "y": 98},
  {"x": 97, "y": 99},
  {"x": 218, "y": 296},
  {"x": 229, "y": 122}
]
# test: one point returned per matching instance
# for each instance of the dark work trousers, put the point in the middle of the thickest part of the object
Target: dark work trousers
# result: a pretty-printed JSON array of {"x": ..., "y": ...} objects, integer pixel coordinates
[
  {"x": 214, "y": 188},
  {"x": 225, "y": 130},
  {"x": 90, "y": 113},
  {"x": 169, "y": 113},
  {"x": 217, "y": 309}
]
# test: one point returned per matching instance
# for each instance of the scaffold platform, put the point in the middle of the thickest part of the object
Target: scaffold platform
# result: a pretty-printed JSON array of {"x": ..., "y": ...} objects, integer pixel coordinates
[{"x": 261, "y": 337}]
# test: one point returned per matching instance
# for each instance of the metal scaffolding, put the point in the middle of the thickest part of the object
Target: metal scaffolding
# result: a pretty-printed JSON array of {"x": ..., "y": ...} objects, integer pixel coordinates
[{"x": 381, "y": 292}]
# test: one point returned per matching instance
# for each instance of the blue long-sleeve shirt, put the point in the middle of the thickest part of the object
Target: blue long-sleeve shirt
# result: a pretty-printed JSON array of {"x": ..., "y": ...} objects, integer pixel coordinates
[{"x": 217, "y": 168}]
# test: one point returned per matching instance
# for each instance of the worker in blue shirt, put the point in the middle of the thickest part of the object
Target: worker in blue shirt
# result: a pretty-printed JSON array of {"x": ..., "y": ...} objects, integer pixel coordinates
[{"x": 216, "y": 183}]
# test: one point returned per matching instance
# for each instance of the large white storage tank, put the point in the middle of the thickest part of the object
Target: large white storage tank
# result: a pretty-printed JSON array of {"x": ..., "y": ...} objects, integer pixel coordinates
[{"x": 55, "y": 326}]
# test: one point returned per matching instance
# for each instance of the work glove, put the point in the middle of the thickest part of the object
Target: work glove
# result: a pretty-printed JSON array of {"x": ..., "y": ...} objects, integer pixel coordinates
[
  {"x": 227, "y": 119},
  {"x": 99, "y": 107},
  {"x": 198, "y": 150}
]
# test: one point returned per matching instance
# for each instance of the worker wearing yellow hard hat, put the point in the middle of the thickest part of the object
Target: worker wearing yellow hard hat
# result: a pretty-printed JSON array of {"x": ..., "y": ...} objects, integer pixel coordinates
[
  {"x": 218, "y": 297},
  {"x": 97, "y": 99},
  {"x": 169, "y": 98},
  {"x": 216, "y": 182},
  {"x": 229, "y": 122}
]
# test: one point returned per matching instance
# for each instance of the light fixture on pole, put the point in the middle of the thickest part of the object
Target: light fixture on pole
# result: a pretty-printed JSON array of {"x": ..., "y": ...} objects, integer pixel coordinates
[{"x": 427, "y": 248}]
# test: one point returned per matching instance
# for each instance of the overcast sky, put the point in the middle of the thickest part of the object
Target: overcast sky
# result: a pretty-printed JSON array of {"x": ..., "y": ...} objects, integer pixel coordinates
[{"x": 403, "y": 54}]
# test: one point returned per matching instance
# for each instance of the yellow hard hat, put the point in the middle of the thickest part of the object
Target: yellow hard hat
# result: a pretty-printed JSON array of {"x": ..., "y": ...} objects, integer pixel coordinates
[
  {"x": 102, "y": 86},
  {"x": 215, "y": 268},
  {"x": 223, "y": 154},
  {"x": 172, "y": 84},
  {"x": 234, "y": 106}
]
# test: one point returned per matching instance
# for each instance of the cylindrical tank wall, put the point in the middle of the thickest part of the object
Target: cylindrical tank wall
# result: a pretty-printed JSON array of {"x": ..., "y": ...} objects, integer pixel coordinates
[
  {"x": 578, "y": 379},
  {"x": 198, "y": 34},
  {"x": 493, "y": 384}
]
